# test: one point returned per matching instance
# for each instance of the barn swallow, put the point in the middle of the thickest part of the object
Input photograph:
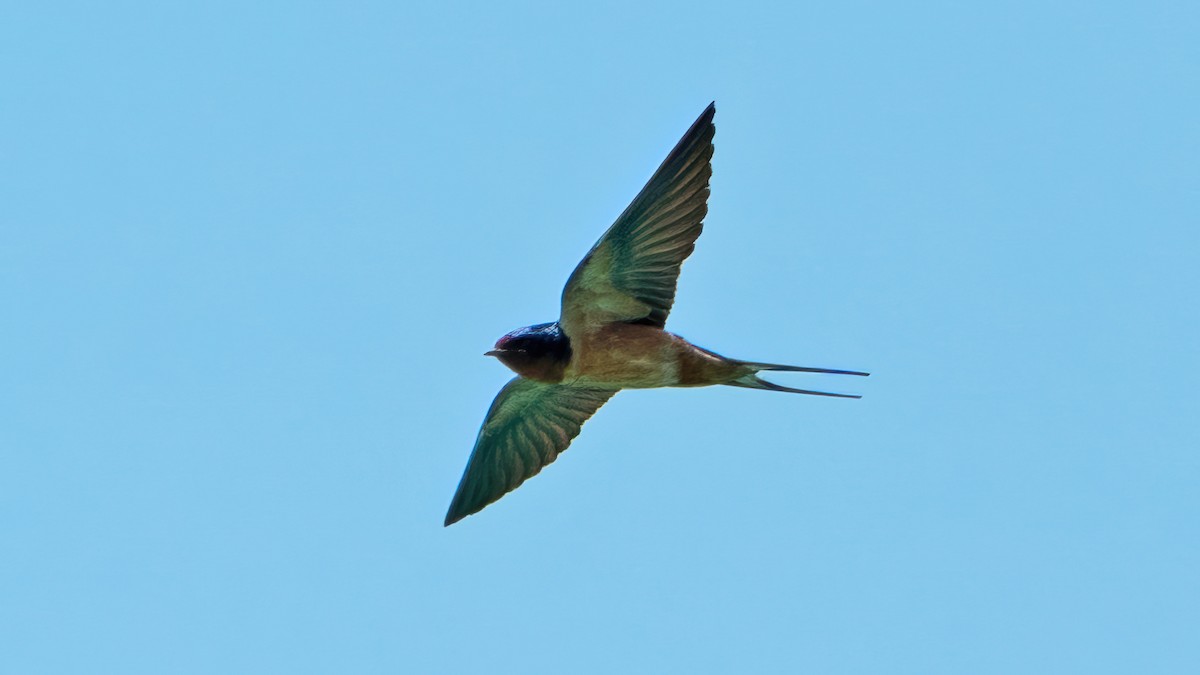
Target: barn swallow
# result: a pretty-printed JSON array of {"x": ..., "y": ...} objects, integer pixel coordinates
[{"x": 610, "y": 334}]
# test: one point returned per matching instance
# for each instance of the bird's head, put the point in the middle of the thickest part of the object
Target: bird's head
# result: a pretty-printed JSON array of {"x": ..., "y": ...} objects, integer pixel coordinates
[{"x": 538, "y": 352}]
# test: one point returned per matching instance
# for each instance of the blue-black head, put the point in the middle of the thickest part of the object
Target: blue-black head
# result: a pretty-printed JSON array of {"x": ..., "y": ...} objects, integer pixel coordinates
[{"x": 539, "y": 352}]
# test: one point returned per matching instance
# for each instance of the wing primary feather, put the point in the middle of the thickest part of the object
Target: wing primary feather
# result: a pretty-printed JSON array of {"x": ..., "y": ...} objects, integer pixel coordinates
[
  {"x": 528, "y": 425},
  {"x": 630, "y": 274}
]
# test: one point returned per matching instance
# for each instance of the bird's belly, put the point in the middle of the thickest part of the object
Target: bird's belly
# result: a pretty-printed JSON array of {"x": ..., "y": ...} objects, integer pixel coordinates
[
  {"x": 626, "y": 356},
  {"x": 631, "y": 373}
]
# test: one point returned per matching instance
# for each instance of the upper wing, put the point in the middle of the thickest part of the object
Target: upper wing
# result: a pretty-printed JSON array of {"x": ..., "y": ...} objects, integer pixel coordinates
[
  {"x": 528, "y": 425},
  {"x": 630, "y": 274}
]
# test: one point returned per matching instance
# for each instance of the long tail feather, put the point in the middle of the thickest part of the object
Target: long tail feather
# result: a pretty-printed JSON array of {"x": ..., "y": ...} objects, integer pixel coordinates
[
  {"x": 753, "y": 381},
  {"x": 800, "y": 369}
]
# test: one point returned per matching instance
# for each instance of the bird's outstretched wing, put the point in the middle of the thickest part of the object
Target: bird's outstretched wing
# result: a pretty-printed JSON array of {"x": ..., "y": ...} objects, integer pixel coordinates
[
  {"x": 630, "y": 274},
  {"x": 526, "y": 428}
]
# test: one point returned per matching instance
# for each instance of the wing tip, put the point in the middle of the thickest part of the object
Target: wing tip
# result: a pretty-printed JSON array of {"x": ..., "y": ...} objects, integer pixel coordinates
[
  {"x": 706, "y": 117},
  {"x": 458, "y": 511},
  {"x": 702, "y": 128},
  {"x": 454, "y": 514}
]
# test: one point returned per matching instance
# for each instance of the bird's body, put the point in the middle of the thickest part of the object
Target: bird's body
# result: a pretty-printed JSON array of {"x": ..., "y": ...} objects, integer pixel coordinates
[
  {"x": 622, "y": 356},
  {"x": 610, "y": 335},
  {"x": 631, "y": 356}
]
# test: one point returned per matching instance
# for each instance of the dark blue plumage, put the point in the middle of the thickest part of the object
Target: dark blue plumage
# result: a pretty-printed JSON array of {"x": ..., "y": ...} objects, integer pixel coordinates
[
  {"x": 543, "y": 339},
  {"x": 540, "y": 352}
]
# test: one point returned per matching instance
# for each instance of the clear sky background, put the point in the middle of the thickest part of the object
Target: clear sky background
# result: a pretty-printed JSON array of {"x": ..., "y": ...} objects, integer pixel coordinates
[{"x": 251, "y": 253}]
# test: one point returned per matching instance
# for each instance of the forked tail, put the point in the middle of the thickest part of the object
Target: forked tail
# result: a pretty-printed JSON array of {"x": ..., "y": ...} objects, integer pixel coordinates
[{"x": 751, "y": 380}]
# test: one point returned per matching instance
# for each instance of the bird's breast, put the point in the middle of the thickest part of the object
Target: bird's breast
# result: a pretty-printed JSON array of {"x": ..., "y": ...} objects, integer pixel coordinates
[{"x": 627, "y": 356}]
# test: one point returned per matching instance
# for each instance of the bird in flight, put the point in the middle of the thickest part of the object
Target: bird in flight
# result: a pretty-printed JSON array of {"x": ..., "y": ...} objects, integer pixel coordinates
[{"x": 609, "y": 335}]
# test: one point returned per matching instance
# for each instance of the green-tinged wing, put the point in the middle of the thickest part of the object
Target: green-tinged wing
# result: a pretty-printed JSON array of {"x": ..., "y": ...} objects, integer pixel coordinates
[
  {"x": 630, "y": 274},
  {"x": 526, "y": 428}
]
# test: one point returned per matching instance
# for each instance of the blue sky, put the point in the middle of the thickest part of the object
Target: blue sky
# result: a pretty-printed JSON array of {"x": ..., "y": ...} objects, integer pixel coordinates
[{"x": 250, "y": 256}]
